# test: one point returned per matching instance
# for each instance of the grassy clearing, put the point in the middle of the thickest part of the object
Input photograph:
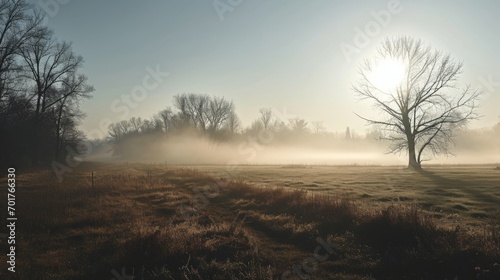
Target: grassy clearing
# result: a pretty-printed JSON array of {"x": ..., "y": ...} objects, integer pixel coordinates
[
  {"x": 464, "y": 195},
  {"x": 157, "y": 223}
]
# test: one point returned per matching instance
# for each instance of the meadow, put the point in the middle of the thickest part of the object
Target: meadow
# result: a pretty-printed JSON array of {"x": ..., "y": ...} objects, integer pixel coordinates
[
  {"x": 454, "y": 195},
  {"x": 152, "y": 221}
]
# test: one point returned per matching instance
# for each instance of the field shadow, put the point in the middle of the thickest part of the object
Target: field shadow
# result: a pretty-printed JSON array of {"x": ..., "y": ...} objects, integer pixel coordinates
[{"x": 464, "y": 186}]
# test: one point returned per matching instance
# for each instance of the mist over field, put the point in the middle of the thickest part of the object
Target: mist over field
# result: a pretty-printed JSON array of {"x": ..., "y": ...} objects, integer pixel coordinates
[{"x": 472, "y": 147}]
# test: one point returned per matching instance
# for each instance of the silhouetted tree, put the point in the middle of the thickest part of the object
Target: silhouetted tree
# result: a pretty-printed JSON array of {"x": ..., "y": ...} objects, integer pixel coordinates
[
  {"x": 40, "y": 89},
  {"x": 348, "y": 133},
  {"x": 233, "y": 123},
  {"x": 265, "y": 117},
  {"x": 52, "y": 67},
  {"x": 218, "y": 112},
  {"x": 166, "y": 117},
  {"x": 19, "y": 23},
  {"x": 193, "y": 109},
  {"x": 318, "y": 127},
  {"x": 420, "y": 113},
  {"x": 255, "y": 128},
  {"x": 299, "y": 126}
]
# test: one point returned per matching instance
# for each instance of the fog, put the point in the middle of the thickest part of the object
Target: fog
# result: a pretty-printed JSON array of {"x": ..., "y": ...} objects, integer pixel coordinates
[{"x": 191, "y": 148}]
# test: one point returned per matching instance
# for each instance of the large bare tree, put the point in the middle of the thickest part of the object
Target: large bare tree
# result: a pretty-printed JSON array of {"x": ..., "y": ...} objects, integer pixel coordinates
[
  {"x": 19, "y": 22},
  {"x": 39, "y": 78},
  {"x": 50, "y": 63},
  {"x": 419, "y": 113}
]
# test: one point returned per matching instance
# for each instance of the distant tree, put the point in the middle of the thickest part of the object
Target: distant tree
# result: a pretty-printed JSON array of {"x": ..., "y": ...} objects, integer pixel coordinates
[
  {"x": 166, "y": 117},
  {"x": 193, "y": 109},
  {"x": 348, "y": 133},
  {"x": 421, "y": 112},
  {"x": 265, "y": 117},
  {"x": 118, "y": 130},
  {"x": 135, "y": 124},
  {"x": 496, "y": 128},
  {"x": 233, "y": 123},
  {"x": 255, "y": 128},
  {"x": 218, "y": 112},
  {"x": 374, "y": 134},
  {"x": 318, "y": 127},
  {"x": 151, "y": 126},
  {"x": 298, "y": 125}
]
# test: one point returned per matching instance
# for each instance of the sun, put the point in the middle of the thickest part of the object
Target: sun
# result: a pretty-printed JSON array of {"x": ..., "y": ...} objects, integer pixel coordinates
[{"x": 387, "y": 74}]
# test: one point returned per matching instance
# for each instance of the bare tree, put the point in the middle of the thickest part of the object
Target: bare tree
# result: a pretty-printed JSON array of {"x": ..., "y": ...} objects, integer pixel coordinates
[
  {"x": 265, "y": 117},
  {"x": 298, "y": 125},
  {"x": 233, "y": 123},
  {"x": 135, "y": 124},
  {"x": 193, "y": 108},
  {"x": 73, "y": 89},
  {"x": 422, "y": 110},
  {"x": 39, "y": 73},
  {"x": 348, "y": 133},
  {"x": 166, "y": 117},
  {"x": 119, "y": 130},
  {"x": 67, "y": 115},
  {"x": 19, "y": 22},
  {"x": 50, "y": 63},
  {"x": 318, "y": 127},
  {"x": 218, "y": 112}
]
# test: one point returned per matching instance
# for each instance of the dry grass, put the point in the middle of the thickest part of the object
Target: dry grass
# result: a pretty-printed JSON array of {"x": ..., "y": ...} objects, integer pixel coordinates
[{"x": 159, "y": 223}]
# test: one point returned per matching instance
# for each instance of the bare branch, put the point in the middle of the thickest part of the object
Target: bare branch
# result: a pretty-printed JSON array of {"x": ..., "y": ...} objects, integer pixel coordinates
[{"x": 425, "y": 108}]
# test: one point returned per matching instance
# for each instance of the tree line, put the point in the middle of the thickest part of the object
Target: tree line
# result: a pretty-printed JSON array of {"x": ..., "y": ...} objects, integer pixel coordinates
[
  {"x": 41, "y": 89},
  {"x": 215, "y": 118}
]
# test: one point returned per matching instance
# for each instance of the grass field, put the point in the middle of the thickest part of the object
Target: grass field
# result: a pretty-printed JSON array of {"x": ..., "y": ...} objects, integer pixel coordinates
[
  {"x": 257, "y": 222},
  {"x": 463, "y": 195}
]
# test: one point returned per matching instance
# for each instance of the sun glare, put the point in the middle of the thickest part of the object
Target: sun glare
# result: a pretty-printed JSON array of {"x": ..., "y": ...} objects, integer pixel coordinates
[{"x": 387, "y": 74}]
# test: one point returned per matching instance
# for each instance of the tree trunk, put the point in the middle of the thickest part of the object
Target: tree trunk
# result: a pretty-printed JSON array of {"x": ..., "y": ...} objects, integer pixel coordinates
[
  {"x": 412, "y": 158},
  {"x": 410, "y": 138},
  {"x": 58, "y": 145}
]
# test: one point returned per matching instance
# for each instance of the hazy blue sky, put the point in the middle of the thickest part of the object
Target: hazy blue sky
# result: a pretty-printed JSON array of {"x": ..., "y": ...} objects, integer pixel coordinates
[{"x": 264, "y": 53}]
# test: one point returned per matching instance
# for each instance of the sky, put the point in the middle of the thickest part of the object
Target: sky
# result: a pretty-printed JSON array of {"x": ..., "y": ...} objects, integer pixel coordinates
[{"x": 300, "y": 58}]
